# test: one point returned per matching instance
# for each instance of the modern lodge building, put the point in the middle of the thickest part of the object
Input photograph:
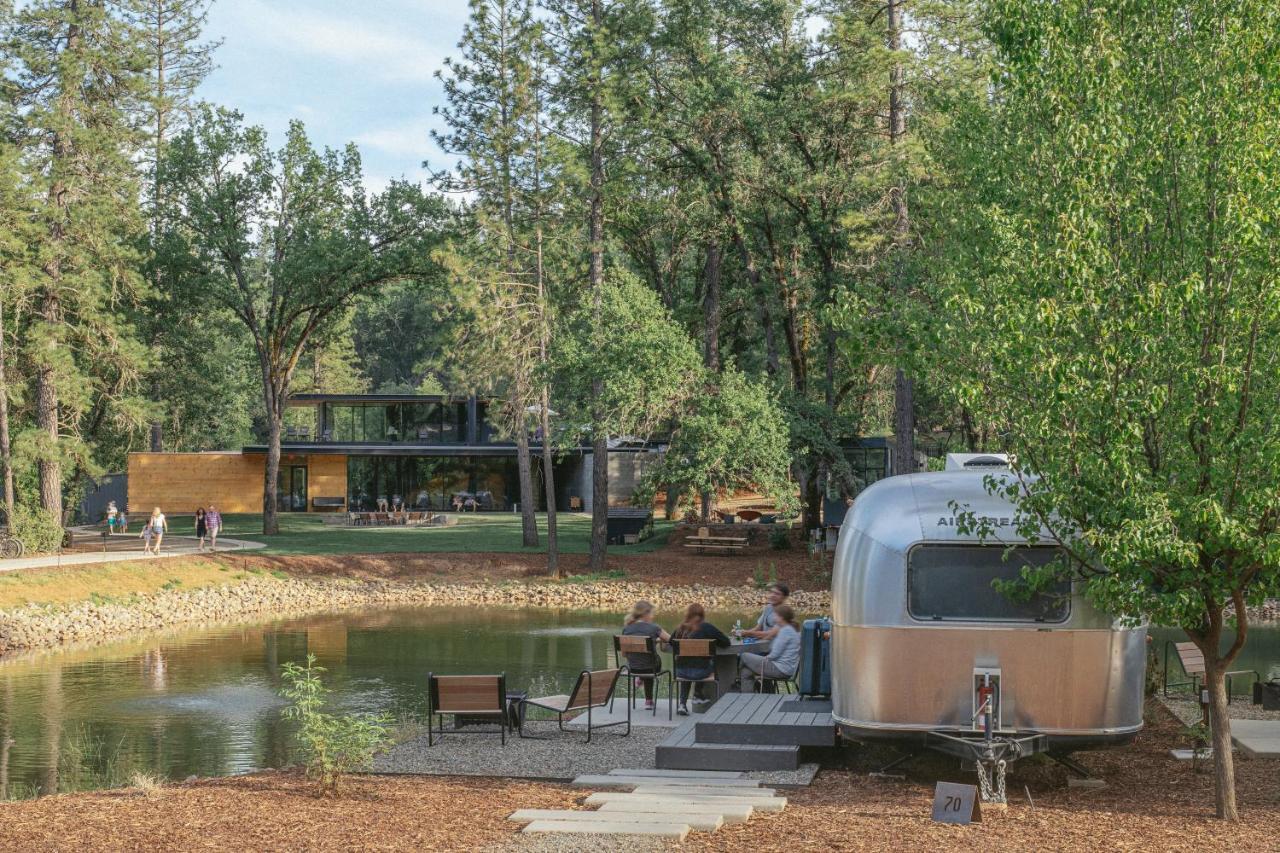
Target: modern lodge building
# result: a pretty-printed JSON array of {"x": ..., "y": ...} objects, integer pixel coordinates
[{"x": 355, "y": 449}]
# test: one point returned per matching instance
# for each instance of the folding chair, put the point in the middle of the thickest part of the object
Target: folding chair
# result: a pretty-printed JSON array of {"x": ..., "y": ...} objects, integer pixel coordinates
[
  {"x": 634, "y": 644},
  {"x": 689, "y": 648}
]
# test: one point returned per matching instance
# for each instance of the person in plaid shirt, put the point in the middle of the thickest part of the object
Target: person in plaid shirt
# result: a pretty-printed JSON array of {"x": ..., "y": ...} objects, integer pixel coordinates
[{"x": 212, "y": 524}]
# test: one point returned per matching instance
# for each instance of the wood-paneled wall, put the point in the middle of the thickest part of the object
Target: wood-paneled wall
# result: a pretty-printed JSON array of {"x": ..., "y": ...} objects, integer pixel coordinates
[{"x": 179, "y": 482}]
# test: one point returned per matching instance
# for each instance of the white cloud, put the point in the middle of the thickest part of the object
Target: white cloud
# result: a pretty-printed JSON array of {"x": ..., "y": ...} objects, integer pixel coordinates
[
  {"x": 379, "y": 52},
  {"x": 408, "y": 139}
]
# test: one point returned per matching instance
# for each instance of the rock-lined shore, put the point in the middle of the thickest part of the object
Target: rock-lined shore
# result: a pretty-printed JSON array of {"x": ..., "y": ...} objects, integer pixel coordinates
[{"x": 36, "y": 627}]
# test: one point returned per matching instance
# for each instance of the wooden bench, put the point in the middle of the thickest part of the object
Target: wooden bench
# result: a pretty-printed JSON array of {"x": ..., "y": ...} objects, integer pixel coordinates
[
  {"x": 329, "y": 503},
  {"x": 704, "y": 542},
  {"x": 466, "y": 695},
  {"x": 1192, "y": 661}
]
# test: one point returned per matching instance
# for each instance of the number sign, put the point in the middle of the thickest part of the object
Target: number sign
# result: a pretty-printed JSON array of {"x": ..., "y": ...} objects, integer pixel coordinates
[{"x": 953, "y": 803}]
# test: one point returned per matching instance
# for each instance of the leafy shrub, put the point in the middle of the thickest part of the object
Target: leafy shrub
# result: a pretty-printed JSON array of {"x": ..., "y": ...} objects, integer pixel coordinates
[
  {"x": 330, "y": 745},
  {"x": 37, "y": 530},
  {"x": 780, "y": 538}
]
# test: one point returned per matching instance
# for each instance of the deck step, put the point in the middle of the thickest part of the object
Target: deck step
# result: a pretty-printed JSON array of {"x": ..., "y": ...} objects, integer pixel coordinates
[
  {"x": 701, "y": 822},
  {"x": 679, "y": 774},
  {"x": 678, "y": 831},
  {"x": 608, "y": 781},
  {"x": 757, "y": 804},
  {"x": 766, "y": 734},
  {"x": 727, "y": 812},
  {"x": 703, "y": 792},
  {"x": 727, "y": 756}
]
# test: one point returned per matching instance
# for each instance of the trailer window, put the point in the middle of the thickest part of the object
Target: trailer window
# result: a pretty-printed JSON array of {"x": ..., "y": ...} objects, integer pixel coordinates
[{"x": 955, "y": 582}]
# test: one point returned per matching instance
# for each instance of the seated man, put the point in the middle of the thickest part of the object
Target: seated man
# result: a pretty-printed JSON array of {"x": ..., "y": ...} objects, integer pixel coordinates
[
  {"x": 784, "y": 655},
  {"x": 767, "y": 625}
]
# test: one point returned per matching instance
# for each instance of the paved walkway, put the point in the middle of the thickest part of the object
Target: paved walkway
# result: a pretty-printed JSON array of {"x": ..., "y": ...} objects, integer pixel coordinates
[{"x": 174, "y": 546}]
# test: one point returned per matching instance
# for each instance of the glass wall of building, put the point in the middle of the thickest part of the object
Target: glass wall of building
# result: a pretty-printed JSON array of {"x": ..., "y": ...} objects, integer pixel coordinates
[
  {"x": 399, "y": 423},
  {"x": 433, "y": 482}
]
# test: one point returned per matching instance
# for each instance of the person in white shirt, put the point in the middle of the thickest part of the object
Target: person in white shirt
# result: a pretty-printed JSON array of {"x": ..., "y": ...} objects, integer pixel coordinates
[{"x": 159, "y": 526}]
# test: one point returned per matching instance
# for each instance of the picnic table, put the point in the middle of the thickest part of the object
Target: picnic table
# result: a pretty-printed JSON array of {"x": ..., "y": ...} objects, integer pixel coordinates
[{"x": 725, "y": 544}]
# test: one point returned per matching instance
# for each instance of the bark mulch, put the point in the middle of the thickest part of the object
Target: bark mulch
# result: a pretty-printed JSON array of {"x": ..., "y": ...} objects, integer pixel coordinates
[
  {"x": 280, "y": 811},
  {"x": 1151, "y": 802}
]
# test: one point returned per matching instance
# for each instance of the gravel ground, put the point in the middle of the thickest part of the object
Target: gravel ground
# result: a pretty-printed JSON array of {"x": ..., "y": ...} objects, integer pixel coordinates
[
  {"x": 551, "y": 755},
  {"x": 547, "y": 843},
  {"x": 1188, "y": 710}
]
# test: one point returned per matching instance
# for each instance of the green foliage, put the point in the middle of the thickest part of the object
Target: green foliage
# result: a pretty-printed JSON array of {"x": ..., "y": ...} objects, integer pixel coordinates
[
  {"x": 1112, "y": 301},
  {"x": 780, "y": 537},
  {"x": 330, "y": 745},
  {"x": 647, "y": 363},
  {"x": 38, "y": 530},
  {"x": 730, "y": 435}
]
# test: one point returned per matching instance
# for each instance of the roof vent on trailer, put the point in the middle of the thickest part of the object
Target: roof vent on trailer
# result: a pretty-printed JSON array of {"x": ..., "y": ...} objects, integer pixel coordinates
[{"x": 977, "y": 461}]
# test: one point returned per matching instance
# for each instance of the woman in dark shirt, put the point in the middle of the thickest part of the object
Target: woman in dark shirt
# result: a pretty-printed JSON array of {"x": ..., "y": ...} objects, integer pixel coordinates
[
  {"x": 696, "y": 627},
  {"x": 640, "y": 623}
]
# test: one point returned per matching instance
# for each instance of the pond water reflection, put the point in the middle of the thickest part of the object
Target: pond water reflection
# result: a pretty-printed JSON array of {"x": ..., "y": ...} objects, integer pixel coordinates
[{"x": 205, "y": 703}]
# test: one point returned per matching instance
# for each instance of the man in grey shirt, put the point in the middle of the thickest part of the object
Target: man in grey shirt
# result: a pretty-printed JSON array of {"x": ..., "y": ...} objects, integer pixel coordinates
[
  {"x": 783, "y": 659},
  {"x": 767, "y": 625}
]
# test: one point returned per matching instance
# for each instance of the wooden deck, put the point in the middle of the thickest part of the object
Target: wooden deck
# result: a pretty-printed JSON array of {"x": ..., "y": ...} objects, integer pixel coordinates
[{"x": 749, "y": 731}]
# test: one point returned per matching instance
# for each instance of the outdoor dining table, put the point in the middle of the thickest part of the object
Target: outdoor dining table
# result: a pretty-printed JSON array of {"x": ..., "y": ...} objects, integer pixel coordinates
[{"x": 727, "y": 662}]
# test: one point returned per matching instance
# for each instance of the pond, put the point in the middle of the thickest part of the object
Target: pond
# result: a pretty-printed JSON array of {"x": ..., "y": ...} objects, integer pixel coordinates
[{"x": 205, "y": 702}]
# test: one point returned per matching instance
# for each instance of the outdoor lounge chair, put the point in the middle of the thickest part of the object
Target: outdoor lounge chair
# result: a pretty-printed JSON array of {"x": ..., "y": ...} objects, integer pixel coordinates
[
  {"x": 1192, "y": 660},
  {"x": 466, "y": 696},
  {"x": 624, "y": 644},
  {"x": 691, "y": 648},
  {"x": 594, "y": 689}
]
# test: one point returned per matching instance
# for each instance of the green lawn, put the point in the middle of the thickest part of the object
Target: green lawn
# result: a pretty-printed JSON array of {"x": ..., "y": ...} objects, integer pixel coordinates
[{"x": 302, "y": 533}]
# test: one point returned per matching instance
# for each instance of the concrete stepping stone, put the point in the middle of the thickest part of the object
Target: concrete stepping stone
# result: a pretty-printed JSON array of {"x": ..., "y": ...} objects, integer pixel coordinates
[
  {"x": 703, "y": 822},
  {"x": 679, "y": 774},
  {"x": 678, "y": 831},
  {"x": 760, "y": 804},
  {"x": 607, "y": 781},
  {"x": 728, "y": 812}
]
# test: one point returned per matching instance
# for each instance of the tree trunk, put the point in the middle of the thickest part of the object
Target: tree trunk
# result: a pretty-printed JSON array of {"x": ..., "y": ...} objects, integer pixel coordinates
[
  {"x": 6, "y": 453},
  {"x": 549, "y": 483},
  {"x": 904, "y": 424},
  {"x": 49, "y": 465},
  {"x": 812, "y": 488},
  {"x": 524, "y": 468},
  {"x": 271, "y": 473},
  {"x": 711, "y": 308},
  {"x": 1224, "y": 770},
  {"x": 599, "y": 434},
  {"x": 903, "y": 389}
]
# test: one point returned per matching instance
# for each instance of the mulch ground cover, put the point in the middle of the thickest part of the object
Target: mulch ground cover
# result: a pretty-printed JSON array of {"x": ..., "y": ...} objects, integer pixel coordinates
[
  {"x": 673, "y": 565},
  {"x": 1151, "y": 802}
]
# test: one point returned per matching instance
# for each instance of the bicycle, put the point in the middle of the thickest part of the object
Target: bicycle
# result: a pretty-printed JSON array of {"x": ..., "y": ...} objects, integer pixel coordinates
[{"x": 10, "y": 546}]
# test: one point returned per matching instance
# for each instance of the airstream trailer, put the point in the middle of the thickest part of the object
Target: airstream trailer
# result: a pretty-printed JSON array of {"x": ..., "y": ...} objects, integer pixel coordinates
[{"x": 924, "y": 649}]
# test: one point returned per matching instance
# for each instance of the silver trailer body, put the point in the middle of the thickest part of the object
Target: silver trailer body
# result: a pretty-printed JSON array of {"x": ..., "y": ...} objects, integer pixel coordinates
[{"x": 920, "y": 639}]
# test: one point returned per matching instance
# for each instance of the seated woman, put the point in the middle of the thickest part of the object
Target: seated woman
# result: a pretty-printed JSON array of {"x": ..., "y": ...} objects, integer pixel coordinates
[
  {"x": 784, "y": 655},
  {"x": 695, "y": 627},
  {"x": 640, "y": 623}
]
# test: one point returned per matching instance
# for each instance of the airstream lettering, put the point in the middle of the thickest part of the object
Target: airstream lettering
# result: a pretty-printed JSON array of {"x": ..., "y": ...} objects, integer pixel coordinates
[{"x": 925, "y": 649}]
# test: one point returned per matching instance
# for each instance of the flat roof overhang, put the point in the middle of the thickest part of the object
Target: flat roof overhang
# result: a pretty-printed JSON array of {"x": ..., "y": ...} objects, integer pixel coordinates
[
  {"x": 313, "y": 399},
  {"x": 329, "y": 448}
]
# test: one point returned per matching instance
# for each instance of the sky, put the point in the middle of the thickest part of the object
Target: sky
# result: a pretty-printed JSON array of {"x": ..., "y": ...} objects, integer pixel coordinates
[{"x": 360, "y": 72}]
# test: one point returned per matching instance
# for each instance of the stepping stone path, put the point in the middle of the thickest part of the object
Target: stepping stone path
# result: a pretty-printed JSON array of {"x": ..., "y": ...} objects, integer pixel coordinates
[{"x": 659, "y": 803}]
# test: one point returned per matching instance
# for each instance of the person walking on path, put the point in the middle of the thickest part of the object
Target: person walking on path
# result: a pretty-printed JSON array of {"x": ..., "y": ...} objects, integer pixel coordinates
[
  {"x": 122, "y": 521},
  {"x": 784, "y": 655},
  {"x": 212, "y": 524},
  {"x": 112, "y": 514},
  {"x": 159, "y": 526},
  {"x": 202, "y": 527}
]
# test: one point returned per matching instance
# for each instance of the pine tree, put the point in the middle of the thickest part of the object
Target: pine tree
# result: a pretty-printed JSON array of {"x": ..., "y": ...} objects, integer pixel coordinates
[{"x": 78, "y": 77}]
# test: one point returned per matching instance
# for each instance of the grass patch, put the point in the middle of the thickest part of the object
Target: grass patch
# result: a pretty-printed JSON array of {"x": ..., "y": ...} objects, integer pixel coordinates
[
  {"x": 594, "y": 577},
  {"x": 106, "y": 583},
  {"x": 305, "y": 533}
]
